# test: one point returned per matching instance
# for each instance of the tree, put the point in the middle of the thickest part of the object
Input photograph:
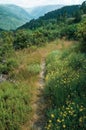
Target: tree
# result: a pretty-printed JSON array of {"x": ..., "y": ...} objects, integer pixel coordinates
[
  {"x": 21, "y": 39},
  {"x": 83, "y": 7},
  {"x": 81, "y": 34},
  {"x": 77, "y": 16}
]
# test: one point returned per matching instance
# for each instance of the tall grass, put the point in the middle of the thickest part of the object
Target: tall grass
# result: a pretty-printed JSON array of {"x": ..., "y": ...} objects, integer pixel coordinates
[{"x": 14, "y": 105}]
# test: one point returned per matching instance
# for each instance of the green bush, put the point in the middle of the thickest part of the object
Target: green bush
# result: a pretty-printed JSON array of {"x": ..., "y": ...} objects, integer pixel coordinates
[
  {"x": 8, "y": 66},
  {"x": 71, "y": 116},
  {"x": 14, "y": 106},
  {"x": 7, "y": 62},
  {"x": 69, "y": 31},
  {"x": 66, "y": 90},
  {"x": 21, "y": 40},
  {"x": 81, "y": 35}
]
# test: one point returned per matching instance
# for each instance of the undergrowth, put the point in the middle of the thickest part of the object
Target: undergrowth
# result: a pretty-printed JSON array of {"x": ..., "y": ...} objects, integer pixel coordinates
[
  {"x": 14, "y": 105},
  {"x": 66, "y": 90}
]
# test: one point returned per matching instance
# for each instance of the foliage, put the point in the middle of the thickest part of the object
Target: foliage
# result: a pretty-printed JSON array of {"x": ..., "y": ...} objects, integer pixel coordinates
[
  {"x": 81, "y": 31},
  {"x": 53, "y": 15},
  {"x": 81, "y": 34},
  {"x": 69, "y": 31},
  {"x": 7, "y": 63},
  {"x": 14, "y": 105},
  {"x": 34, "y": 69},
  {"x": 65, "y": 90},
  {"x": 77, "y": 16},
  {"x": 83, "y": 7},
  {"x": 20, "y": 41},
  {"x": 70, "y": 116}
]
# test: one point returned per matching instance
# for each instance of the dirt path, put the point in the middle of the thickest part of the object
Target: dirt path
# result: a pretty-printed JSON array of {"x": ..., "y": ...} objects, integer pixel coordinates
[
  {"x": 36, "y": 118},
  {"x": 39, "y": 105}
]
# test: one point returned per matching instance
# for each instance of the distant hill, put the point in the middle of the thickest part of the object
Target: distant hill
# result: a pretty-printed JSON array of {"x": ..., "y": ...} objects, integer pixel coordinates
[
  {"x": 68, "y": 10},
  {"x": 38, "y": 11},
  {"x": 41, "y": 21},
  {"x": 12, "y": 16}
]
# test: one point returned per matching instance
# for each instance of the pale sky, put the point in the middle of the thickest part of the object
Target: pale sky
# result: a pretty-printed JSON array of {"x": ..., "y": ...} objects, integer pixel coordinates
[{"x": 30, "y": 3}]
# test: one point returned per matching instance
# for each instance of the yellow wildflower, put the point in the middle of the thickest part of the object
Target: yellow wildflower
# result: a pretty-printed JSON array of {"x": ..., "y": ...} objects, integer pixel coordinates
[
  {"x": 52, "y": 115},
  {"x": 64, "y": 126},
  {"x": 50, "y": 121},
  {"x": 80, "y": 119},
  {"x": 81, "y": 109},
  {"x": 49, "y": 126},
  {"x": 58, "y": 120}
]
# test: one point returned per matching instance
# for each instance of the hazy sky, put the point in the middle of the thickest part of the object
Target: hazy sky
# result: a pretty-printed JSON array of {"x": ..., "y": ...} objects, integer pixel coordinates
[{"x": 29, "y": 3}]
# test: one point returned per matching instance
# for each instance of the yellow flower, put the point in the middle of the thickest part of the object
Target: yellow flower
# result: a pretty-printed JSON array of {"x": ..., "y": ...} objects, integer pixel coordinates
[
  {"x": 64, "y": 126},
  {"x": 62, "y": 120},
  {"x": 64, "y": 115},
  {"x": 80, "y": 119},
  {"x": 52, "y": 115},
  {"x": 81, "y": 109},
  {"x": 67, "y": 108},
  {"x": 49, "y": 126},
  {"x": 50, "y": 121},
  {"x": 58, "y": 120}
]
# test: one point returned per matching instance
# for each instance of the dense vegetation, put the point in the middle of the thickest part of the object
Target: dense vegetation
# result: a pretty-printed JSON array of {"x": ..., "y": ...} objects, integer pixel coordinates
[
  {"x": 14, "y": 106},
  {"x": 66, "y": 90},
  {"x": 64, "y": 22},
  {"x": 55, "y": 16},
  {"x": 65, "y": 71}
]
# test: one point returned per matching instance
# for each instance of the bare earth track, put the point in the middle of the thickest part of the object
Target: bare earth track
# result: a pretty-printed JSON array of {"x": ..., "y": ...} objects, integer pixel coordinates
[{"x": 39, "y": 102}]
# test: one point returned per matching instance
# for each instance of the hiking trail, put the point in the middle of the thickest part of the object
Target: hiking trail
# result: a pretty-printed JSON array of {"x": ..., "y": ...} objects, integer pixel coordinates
[{"x": 39, "y": 105}]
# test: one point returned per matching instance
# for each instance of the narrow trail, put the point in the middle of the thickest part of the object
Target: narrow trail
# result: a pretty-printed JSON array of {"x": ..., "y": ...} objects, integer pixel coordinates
[{"x": 39, "y": 105}]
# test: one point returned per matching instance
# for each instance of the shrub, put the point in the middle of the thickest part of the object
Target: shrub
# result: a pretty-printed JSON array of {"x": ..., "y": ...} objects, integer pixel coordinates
[
  {"x": 69, "y": 31},
  {"x": 8, "y": 66},
  {"x": 81, "y": 35},
  {"x": 14, "y": 106},
  {"x": 66, "y": 90},
  {"x": 21, "y": 40},
  {"x": 71, "y": 116},
  {"x": 7, "y": 63}
]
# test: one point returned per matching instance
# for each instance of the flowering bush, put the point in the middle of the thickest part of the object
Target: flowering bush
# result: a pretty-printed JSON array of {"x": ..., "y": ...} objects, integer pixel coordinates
[
  {"x": 69, "y": 116},
  {"x": 66, "y": 91}
]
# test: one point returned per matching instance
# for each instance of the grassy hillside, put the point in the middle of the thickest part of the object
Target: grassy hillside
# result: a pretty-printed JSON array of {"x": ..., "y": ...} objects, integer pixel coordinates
[
  {"x": 53, "y": 16},
  {"x": 12, "y": 16}
]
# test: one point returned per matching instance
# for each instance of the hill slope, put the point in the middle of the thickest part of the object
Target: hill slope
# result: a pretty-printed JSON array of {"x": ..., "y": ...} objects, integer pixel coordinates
[
  {"x": 53, "y": 15},
  {"x": 38, "y": 11},
  {"x": 12, "y": 16}
]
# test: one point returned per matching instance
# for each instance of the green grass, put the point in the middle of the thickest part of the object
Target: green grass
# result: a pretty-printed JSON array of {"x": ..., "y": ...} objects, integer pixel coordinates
[
  {"x": 14, "y": 105},
  {"x": 34, "y": 69},
  {"x": 65, "y": 90}
]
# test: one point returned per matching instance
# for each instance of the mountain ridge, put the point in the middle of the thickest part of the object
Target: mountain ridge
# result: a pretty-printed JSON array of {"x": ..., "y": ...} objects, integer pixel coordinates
[
  {"x": 38, "y": 11},
  {"x": 12, "y": 16},
  {"x": 66, "y": 11}
]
